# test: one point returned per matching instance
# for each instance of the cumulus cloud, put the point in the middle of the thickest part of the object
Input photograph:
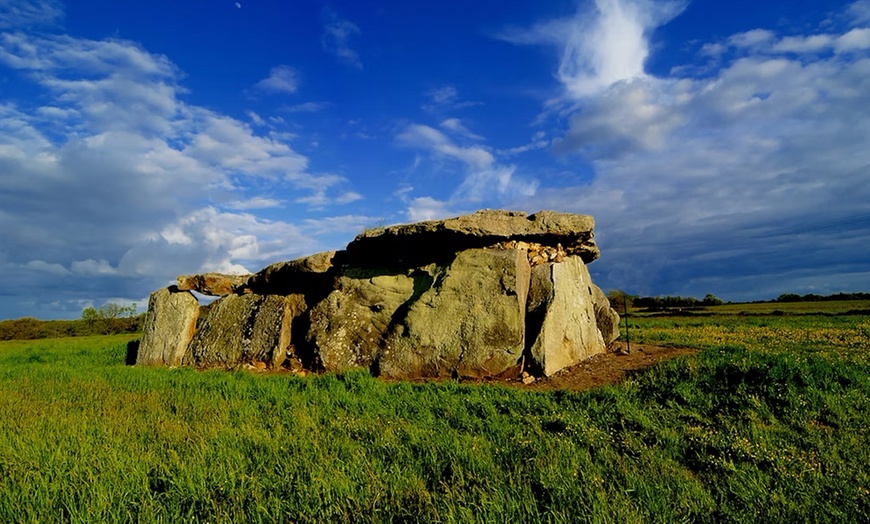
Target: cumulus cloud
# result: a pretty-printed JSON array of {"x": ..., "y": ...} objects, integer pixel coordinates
[
  {"x": 336, "y": 38},
  {"x": 428, "y": 208},
  {"x": 731, "y": 173},
  {"x": 114, "y": 176}
]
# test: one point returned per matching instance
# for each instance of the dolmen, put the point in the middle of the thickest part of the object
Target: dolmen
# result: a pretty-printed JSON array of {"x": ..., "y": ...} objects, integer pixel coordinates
[{"x": 490, "y": 294}]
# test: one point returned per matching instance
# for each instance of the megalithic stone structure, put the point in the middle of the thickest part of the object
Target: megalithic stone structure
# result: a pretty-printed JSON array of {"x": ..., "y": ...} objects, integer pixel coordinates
[{"x": 477, "y": 295}]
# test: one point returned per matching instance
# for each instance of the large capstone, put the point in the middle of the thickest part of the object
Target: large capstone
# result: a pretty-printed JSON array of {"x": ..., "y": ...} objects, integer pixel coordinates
[{"x": 437, "y": 240}]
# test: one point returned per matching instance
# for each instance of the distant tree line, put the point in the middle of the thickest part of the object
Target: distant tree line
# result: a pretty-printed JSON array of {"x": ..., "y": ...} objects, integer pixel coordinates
[
  {"x": 109, "y": 319},
  {"x": 620, "y": 299},
  {"x": 792, "y": 297},
  {"x": 669, "y": 302}
]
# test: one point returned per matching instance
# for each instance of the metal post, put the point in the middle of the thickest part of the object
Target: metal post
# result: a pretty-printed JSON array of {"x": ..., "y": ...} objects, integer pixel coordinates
[{"x": 627, "y": 335}]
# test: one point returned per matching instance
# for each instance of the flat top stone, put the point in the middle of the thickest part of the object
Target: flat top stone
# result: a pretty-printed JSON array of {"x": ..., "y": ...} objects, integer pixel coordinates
[
  {"x": 493, "y": 223},
  {"x": 422, "y": 241}
]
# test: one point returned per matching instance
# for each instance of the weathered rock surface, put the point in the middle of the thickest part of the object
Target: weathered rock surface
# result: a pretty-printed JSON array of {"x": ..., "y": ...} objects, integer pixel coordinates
[
  {"x": 562, "y": 297},
  {"x": 214, "y": 284},
  {"x": 469, "y": 322},
  {"x": 244, "y": 329},
  {"x": 348, "y": 326},
  {"x": 433, "y": 240},
  {"x": 169, "y": 327},
  {"x": 606, "y": 317},
  {"x": 491, "y": 293},
  {"x": 302, "y": 275}
]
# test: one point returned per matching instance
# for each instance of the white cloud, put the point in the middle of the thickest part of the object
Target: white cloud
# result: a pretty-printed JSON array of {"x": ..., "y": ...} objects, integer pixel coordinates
[
  {"x": 538, "y": 141},
  {"x": 114, "y": 175},
  {"x": 348, "y": 197},
  {"x": 353, "y": 224},
  {"x": 216, "y": 241},
  {"x": 91, "y": 267},
  {"x": 445, "y": 98},
  {"x": 254, "y": 203},
  {"x": 39, "y": 265},
  {"x": 256, "y": 119},
  {"x": 336, "y": 40},
  {"x": 854, "y": 40},
  {"x": 694, "y": 178},
  {"x": 799, "y": 44},
  {"x": 751, "y": 39},
  {"x": 281, "y": 79},
  {"x": 484, "y": 179},
  {"x": 455, "y": 125},
  {"x": 603, "y": 46},
  {"x": 859, "y": 12},
  {"x": 427, "y": 208},
  {"x": 426, "y": 137},
  {"x": 20, "y": 14},
  {"x": 443, "y": 95}
]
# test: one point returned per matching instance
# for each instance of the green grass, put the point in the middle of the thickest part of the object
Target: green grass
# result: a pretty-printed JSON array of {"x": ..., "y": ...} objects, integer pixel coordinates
[{"x": 767, "y": 425}]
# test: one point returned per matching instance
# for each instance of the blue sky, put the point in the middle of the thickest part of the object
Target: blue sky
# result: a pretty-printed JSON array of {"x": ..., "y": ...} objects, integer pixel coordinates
[{"x": 723, "y": 147}]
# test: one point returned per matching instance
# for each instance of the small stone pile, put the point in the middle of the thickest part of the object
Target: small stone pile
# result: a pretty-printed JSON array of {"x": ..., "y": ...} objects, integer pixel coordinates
[{"x": 493, "y": 293}]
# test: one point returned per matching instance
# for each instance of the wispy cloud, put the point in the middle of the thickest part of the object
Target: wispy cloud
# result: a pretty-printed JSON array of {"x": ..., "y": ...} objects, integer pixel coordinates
[
  {"x": 602, "y": 46},
  {"x": 445, "y": 98},
  {"x": 23, "y": 14},
  {"x": 456, "y": 126},
  {"x": 254, "y": 203},
  {"x": 281, "y": 79},
  {"x": 306, "y": 107},
  {"x": 484, "y": 178},
  {"x": 336, "y": 40}
]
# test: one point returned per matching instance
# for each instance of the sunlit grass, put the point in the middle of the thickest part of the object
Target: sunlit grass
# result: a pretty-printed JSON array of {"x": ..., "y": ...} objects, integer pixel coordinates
[{"x": 767, "y": 424}]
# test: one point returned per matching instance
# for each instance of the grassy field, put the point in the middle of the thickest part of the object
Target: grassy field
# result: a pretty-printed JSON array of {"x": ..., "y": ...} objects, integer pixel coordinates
[{"x": 768, "y": 423}]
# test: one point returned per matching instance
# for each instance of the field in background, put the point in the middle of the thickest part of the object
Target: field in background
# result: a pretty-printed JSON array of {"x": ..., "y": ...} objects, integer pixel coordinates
[
  {"x": 838, "y": 307},
  {"x": 768, "y": 423}
]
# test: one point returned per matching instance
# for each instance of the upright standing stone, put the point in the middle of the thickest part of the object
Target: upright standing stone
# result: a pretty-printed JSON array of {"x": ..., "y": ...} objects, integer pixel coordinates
[
  {"x": 241, "y": 329},
  {"x": 561, "y": 295},
  {"x": 606, "y": 317},
  {"x": 169, "y": 327},
  {"x": 470, "y": 322},
  {"x": 348, "y": 326}
]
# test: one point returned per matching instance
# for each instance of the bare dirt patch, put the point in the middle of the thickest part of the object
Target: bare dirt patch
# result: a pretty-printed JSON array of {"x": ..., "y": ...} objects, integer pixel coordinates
[
  {"x": 599, "y": 370},
  {"x": 603, "y": 369}
]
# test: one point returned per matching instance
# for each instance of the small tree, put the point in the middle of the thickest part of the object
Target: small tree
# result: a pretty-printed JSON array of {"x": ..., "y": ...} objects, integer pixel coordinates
[
  {"x": 712, "y": 300},
  {"x": 109, "y": 318},
  {"x": 620, "y": 300}
]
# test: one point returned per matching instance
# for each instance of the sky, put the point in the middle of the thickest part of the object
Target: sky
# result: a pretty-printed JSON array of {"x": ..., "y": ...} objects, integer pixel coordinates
[{"x": 722, "y": 146}]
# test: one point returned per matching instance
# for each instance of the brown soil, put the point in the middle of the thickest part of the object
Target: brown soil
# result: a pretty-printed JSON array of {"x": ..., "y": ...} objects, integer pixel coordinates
[
  {"x": 603, "y": 369},
  {"x": 600, "y": 370}
]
